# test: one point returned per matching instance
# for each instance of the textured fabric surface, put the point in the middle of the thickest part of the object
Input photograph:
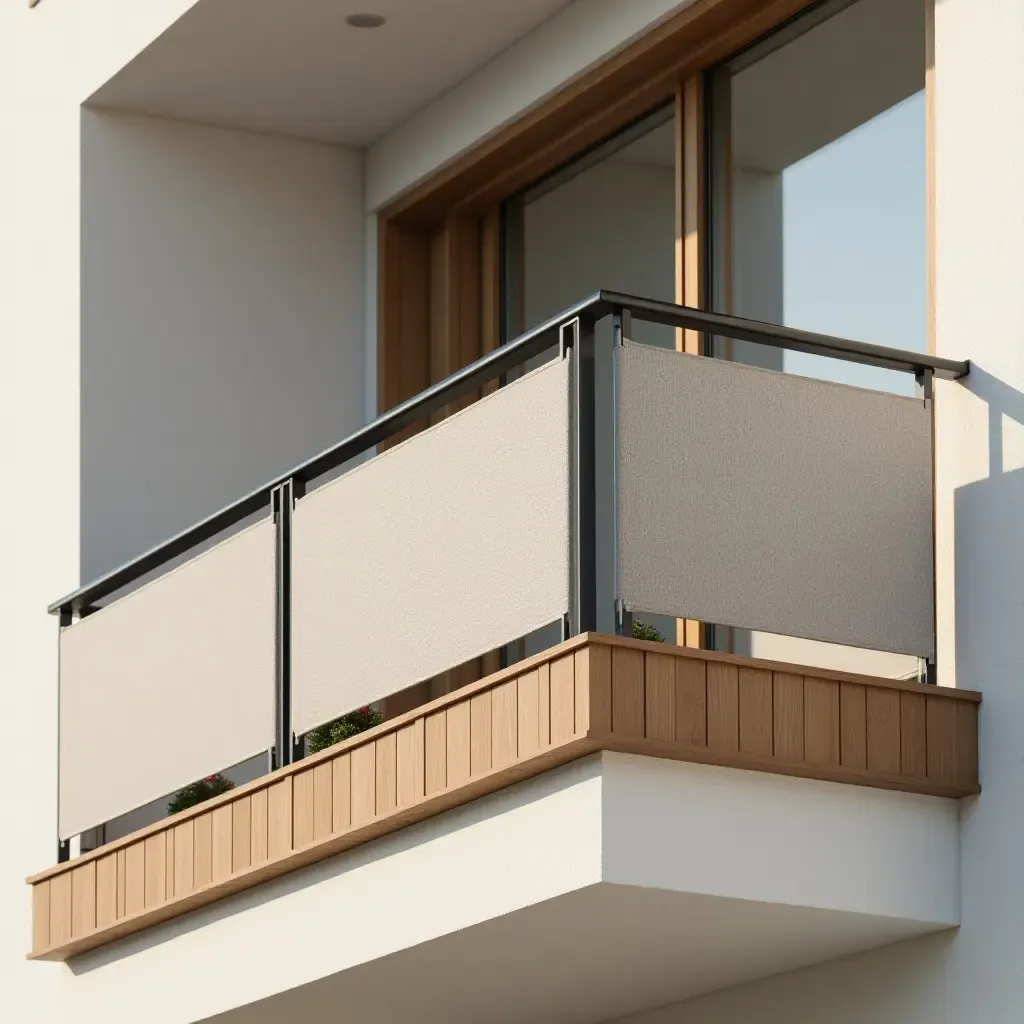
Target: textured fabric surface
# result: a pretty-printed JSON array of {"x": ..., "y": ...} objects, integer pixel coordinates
[
  {"x": 443, "y": 548},
  {"x": 170, "y": 683},
  {"x": 774, "y": 502},
  {"x": 438, "y": 550}
]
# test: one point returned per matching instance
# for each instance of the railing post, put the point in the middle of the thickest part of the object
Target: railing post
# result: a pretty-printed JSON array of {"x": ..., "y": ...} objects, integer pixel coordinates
[
  {"x": 578, "y": 335},
  {"x": 63, "y": 845},
  {"x": 283, "y": 503},
  {"x": 925, "y": 378},
  {"x": 622, "y": 328}
]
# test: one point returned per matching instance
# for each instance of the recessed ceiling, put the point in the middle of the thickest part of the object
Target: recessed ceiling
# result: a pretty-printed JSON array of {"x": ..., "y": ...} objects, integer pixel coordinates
[{"x": 296, "y": 68}]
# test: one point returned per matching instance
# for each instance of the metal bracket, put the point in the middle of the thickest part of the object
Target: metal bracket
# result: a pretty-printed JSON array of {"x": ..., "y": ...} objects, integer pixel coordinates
[{"x": 623, "y": 618}]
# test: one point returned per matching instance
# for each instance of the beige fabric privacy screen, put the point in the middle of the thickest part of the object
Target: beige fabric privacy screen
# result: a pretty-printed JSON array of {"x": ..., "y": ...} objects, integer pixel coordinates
[
  {"x": 773, "y": 502},
  {"x": 434, "y": 552},
  {"x": 173, "y": 682}
]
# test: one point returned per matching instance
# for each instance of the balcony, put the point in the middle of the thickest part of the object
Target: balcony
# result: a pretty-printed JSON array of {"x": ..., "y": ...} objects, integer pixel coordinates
[{"x": 321, "y": 593}]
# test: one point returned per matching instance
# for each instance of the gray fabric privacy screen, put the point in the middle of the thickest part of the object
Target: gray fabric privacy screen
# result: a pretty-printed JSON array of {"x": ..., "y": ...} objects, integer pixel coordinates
[
  {"x": 173, "y": 682},
  {"x": 773, "y": 502},
  {"x": 436, "y": 551}
]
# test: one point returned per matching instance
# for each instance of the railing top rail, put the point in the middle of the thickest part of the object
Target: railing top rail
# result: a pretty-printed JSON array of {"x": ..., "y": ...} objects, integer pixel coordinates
[{"x": 494, "y": 364}]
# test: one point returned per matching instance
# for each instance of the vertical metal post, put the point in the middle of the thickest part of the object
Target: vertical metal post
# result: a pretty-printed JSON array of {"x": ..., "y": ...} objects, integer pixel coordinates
[
  {"x": 926, "y": 379},
  {"x": 578, "y": 335},
  {"x": 622, "y": 327},
  {"x": 283, "y": 502},
  {"x": 63, "y": 845}
]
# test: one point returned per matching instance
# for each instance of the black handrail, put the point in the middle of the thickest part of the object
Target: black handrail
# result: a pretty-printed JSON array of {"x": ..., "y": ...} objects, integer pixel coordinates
[{"x": 487, "y": 368}]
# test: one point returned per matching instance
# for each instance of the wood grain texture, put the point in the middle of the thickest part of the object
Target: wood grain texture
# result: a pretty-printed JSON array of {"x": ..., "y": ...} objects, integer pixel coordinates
[
  {"x": 940, "y": 717},
  {"x": 203, "y": 848},
  {"x": 386, "y": 750},
  {"x": 241, "y": 833},
  {"x": 627, "y": 693},
  {"x": 756, "y": 710},
  {"x": 364, "y": 784},
  {"x": 686, "y": 705},
  {"x": 692, "y": 702},
  {"x": 83, "y": 899},
  {"x": 660, "y": 696},
  {"x": 913, "y": 736},
  {"x": 436, "y": 752},
  {"x": 853, "y": 731},
  {"x": 106, "y": 890},
  {"x": 788, "y": 716},
  {"x": 410, "y": 756},
  {"x": 457, "y": 739},
  {"x": 504, "y": 720},
  {"x": 40, "y": 916},
  {"x": 563, "y": 699},
  {"x": 821, "y": 721},
  {"x": 302, "y": 797},
  {"x": 723, "y": 708},
  {"x": 480, "y": 733},
  {"x": 341, "y": 792},
  {"x": 882, "y": 709}
]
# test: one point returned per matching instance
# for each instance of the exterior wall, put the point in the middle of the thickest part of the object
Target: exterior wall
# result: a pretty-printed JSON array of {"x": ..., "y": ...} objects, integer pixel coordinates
[{"x": 222, "y": 336}]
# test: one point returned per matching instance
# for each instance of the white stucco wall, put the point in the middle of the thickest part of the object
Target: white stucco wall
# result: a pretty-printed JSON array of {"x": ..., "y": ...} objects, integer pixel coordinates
[{"x": 222, "y": 335}]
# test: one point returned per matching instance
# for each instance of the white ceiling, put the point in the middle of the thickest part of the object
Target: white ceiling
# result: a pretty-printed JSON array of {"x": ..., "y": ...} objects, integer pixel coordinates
[
  {"x": 294, "y": 67},
  {"x": 593, "y": 955}
]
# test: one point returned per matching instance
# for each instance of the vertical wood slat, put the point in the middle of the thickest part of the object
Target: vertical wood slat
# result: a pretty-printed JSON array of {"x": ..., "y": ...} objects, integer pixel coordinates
[
  {"x": 544, "y": 703},
  {"x": 594, "y": 675},
  {"x": 40, "y": 916},
  {"x": 223, "y": 831},
  {"x": 386, "y": 773},
  {"x": 723, "y": 708},
  {"x": 528, "y": 714},
  {"x": 364, "y": 783},
  {"x": 410, "y": 757},
  {"x": 821, "y": 721},
  {"x": 435, "y": 744},
  {"x": 203, "y": 849},
  {"x": 457, "y": 740},
  {"x": 913, "y": 736},
  {"x": 940, "y": 741},
  {"x": 341, "y": 792},
  {"x": 258, "y": 828},
  {"x": 882, "y": 711},
  {"x": 563, "y": 698},
  {"x": 628, "y": 693},
  {"x": 966, "y": 773},
  {"x": 135, "y": 878},
  {"x": 754, "y": 689},
  {"x": 660, "y": 696},
  {"x": 120, "y": 883},
  {"x": 691, "y": 702},
  {"x": 60, "y": 908},
  {"x": 302, "y": 808},
  {"x": 788, "y": 716},
  {"x": 106, "y": 890},
  {"x": 241, "y": 833},
  {"x": 853, "y": 730},
  {"x": 83, "y": 899},
  {"x": 480, "y": 733},
  {"x": 279, "y": 818},
  {"x": 184, "y": 858},
  {"x": 504, "y": 719},
  {"x": 156, "y": 868}
]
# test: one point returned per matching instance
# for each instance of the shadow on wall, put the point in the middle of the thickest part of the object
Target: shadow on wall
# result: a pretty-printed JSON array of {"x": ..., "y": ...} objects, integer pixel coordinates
[{"x": 989, "y": 561}]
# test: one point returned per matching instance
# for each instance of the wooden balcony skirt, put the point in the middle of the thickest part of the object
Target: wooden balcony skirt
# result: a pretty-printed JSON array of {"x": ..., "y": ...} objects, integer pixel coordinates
[{"x": 589, "y": 694}]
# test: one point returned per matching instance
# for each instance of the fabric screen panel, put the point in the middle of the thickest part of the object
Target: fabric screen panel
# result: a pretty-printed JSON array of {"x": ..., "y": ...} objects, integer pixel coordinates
[
  {"x": 436, "y": 551},
  {"x": 170, "y": 683},
  {"x": 773, "y": 502}
]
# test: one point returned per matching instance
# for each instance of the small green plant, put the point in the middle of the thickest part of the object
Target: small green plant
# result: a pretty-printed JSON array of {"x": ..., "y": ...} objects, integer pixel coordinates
[
  {"x": 198, "y": 792},
  {"x": 645, "y": 631},
  {"x": 352, "y": 724}
]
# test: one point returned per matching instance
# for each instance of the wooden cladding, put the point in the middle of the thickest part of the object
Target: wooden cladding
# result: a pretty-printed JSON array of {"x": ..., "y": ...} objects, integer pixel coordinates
[{"x": 592, "y": 693}]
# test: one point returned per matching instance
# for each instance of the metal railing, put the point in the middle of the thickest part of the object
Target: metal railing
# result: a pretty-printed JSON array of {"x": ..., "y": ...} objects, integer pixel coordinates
[{"x": 571, "y": 329}]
